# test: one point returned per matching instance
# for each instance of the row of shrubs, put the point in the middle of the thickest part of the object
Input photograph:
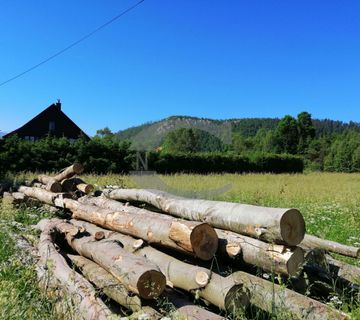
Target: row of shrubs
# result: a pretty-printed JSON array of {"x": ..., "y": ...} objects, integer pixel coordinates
[
  {"x": 220, "y": 163},
  {"x": 103, "y": 155}
]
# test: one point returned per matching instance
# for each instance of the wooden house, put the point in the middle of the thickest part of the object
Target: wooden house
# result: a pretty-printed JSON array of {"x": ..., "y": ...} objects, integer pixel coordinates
[{"x": 52, "y": 121}]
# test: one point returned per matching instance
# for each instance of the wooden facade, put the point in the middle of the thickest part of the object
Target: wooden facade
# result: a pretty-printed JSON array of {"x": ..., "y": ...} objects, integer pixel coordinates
[{"x": 52, "y": 121}]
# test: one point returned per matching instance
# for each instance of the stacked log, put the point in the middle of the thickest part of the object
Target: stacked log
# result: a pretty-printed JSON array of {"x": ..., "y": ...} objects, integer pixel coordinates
[{"x": 130, "y": 253}]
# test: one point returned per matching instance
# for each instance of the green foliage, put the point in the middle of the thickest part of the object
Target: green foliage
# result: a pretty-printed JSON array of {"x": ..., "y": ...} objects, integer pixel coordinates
[
  {"x": 219, "y": 162},
  {"x": 344, "y": 153},
  {"x": 191, "y": 140},
  {"x": 98, "y": 155},
  {"x": 287, "y": 135}
]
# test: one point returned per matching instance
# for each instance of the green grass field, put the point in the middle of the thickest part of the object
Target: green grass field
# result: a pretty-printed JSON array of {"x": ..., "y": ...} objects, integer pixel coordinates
[{"x": 329, "y": 202}]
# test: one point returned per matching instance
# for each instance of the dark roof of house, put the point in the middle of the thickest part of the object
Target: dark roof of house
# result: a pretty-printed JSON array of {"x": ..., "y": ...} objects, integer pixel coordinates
[{"x": 39, "y": 126}]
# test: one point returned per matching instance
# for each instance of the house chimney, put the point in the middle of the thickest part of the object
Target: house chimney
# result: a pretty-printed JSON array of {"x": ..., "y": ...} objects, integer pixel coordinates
[{"x": 58, "y": 104}]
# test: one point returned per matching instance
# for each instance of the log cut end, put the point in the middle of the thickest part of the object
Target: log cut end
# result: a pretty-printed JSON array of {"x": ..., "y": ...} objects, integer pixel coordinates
[
  {"x": 295, "y": 262},
  {"x": 204, "y": 241},
  {"x": 236, "y": 298},
  {"x": 151, "y": 284},
  {"x": 54, "y": 187},
  {"x": 292, "y": 227},
  {"x": 77, "y": 168}
]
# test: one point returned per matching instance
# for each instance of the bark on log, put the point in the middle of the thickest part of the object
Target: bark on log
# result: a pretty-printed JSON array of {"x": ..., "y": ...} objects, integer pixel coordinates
[
  {"x": 344, "y": 270},
  {"x": 270, "y": 257},
  {"x": 69, "y": 172},
  {"x": 52, "y": 264},
  {"x": 73, "y": 184},
  {"x": 283, "y": 302},
  {"x": 106, "y": 282},
  {"x": 14, "y": 197},
  {"x": 220, "y": 291},
  {"x": 190, "y": 237},
  {"x": 187, "y": 310},
  {"x": 51, "y": 185},
  {"x": 192, "y": 312},
  {"x": 270, "y": 224},
  {"x": 44, "y": 195},
  {"x": 136, "y": 273},
  {"x": 332, "y": 246}
]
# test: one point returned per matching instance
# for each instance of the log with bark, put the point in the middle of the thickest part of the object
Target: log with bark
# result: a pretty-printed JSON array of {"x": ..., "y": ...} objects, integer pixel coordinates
[
  {"x": 48, "y": 184},
  {"x": 187, "y": 310},
  {"x": 332, "y": 246},
  {"x": 73, "y": 184},
  {"x": 283, "y": 302},
  {"x": 106, "y": 282},
  {"x": 44, "y": 195},
  {"x": 52, "y": 265},
  {"x": 220, "y": 291},
  {"x": 270, "y": 257},
  {"x": 270, "y": 224},
  {"x": 344, "y": 270},
  {"x": 189, "y": 237},
  {"x": 14, "y": 197},
  {"x": 136, "y": 273},
  {"x": 69, "y": 172}
]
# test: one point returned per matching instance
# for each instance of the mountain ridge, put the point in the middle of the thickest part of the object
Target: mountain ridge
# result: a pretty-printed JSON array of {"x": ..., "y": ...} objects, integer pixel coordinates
[{"x": 151, "y": 134}]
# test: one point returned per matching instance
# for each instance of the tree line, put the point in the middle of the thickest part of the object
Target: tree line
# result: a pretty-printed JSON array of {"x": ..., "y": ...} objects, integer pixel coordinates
[{"x": 291, "y": 145}]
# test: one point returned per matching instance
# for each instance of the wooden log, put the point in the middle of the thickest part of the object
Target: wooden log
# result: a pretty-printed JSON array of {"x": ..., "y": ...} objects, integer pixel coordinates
[
  {"x": 44, "y": 195},
  {"x": 53, "y": 265},
  {"x": 14, "y": 197},
  {"x": 73, "y": 184},
  {"x": 187, "y": 310},
  {"x": 285, "y": 303},
  {"x": 136, "y": 273},
  {"x": 344, "y": 270},
  {"x": 220, "y": 291},
  {"x": 51, "y": 185},
  {"x": 193, "y": 312},
  {"x": 106, "y": 282},
  {"x": 69, "y": 172},
  {"x": 270, "y": 257},
  {"x": 189, "y": 237},
  {"x": 332, "y": 246},
  {"x": 270, "y": 224}
]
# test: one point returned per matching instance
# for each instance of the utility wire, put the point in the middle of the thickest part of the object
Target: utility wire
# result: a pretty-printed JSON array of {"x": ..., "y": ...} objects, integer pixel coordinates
[{"x": 73, "y": 44}]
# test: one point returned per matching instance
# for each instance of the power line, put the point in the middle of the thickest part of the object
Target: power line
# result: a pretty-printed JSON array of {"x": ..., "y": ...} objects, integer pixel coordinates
[{"x": 73, "y": 44}]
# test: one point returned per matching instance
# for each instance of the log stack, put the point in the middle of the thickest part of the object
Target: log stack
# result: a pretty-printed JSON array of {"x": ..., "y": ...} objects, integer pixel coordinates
[{"x": 135, "y": 255}]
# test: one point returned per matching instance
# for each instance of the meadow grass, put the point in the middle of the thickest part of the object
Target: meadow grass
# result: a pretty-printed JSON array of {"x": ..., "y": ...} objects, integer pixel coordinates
[{"x": 330, "y": 203}]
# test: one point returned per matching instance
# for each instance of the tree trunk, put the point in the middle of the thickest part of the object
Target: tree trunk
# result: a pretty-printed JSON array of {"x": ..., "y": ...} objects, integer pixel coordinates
[
  {"x": 73, "y": 184},
  {"x": 51, "y": 185},
  {"x": 69, "y": 172},
  {"x": 270, "y": 257},
  {"x": 187, "y": 310},
  {"x": 137, "y": 274},
  {"x": 283, "y": 302},
  {"x": 220, "y": 291},
  {"x": 270, "y": 224},
  {"x": 44, "y": 195},
  {"x": 106, "y": 282},
  {"x": 332, "y": 246},
  {"x": 53, "y": 265},
  {"x": 14, "y": 197},
  {"x": 190, "y": 237},
  {"x": 344, "y": 270}
]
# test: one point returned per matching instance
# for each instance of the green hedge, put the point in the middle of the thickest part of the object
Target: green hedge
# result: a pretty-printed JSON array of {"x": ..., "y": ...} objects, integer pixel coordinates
[
  {"x": 103, "y": 155},
  {"x": 99, "y": 155},
  {"x": 217, "y": 163}
]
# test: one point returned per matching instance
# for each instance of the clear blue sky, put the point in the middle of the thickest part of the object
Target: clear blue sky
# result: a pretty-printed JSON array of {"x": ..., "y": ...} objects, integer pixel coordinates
[{"x": 214, "y": 59}]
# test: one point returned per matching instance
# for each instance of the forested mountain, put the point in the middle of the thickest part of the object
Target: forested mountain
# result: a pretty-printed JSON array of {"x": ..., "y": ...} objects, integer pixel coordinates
[{"x": 151, "y": 135}]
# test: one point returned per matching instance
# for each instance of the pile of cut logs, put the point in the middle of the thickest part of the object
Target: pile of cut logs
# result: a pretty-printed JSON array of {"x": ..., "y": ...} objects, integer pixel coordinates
[{"x": 138, "y": 247}]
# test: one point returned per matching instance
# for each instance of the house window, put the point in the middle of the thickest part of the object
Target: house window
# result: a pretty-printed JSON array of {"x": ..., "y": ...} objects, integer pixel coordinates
[{"x": 51, "y": 126}]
